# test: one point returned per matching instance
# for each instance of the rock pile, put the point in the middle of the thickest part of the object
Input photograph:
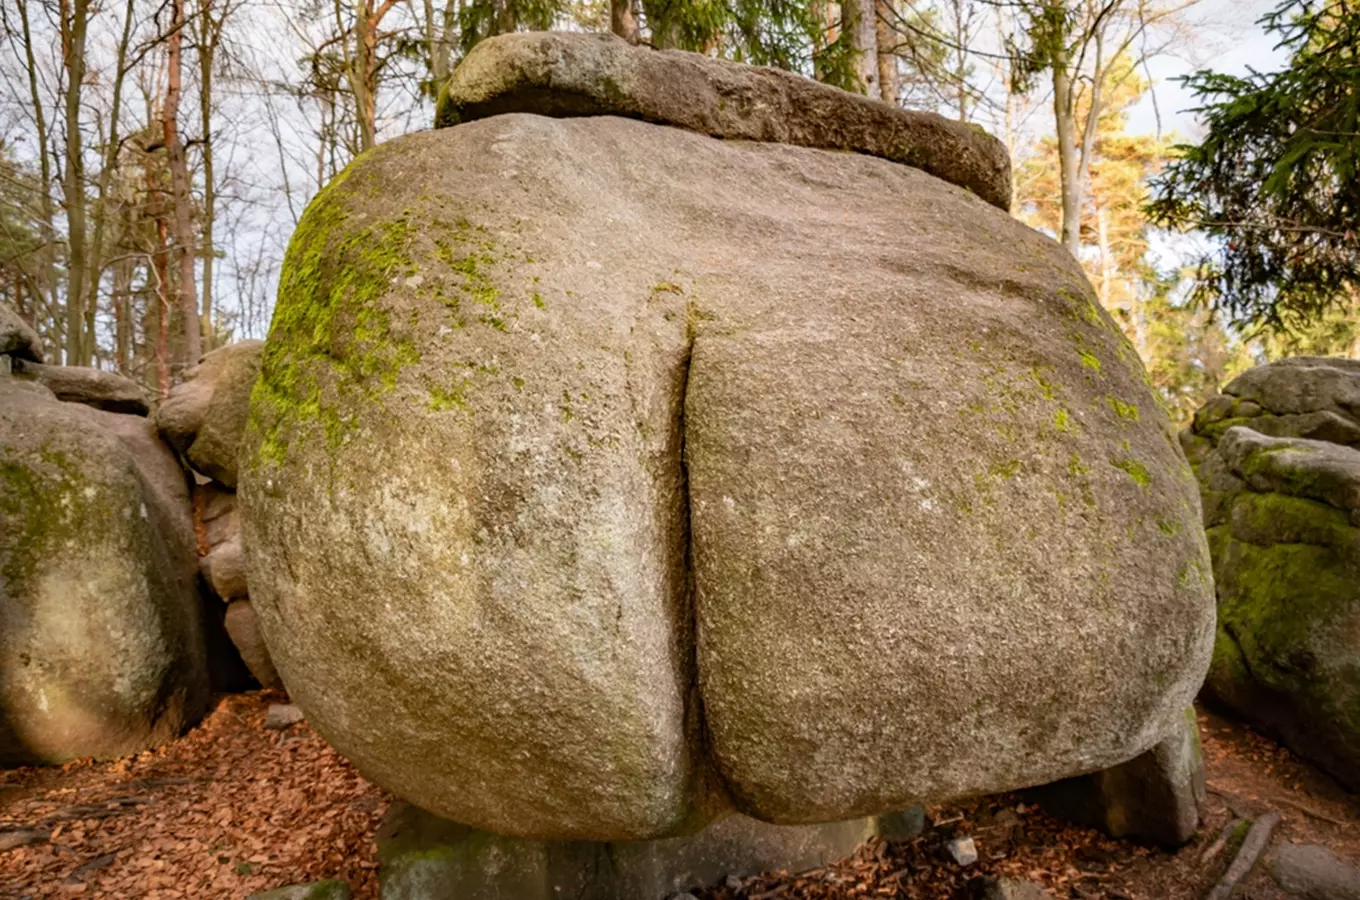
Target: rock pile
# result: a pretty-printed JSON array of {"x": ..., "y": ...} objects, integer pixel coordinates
[
  {"x": 203, "y": 418},
  {"x": 101, "y": 644},
  {"x": 671, "y": 475},
  {"x": 1279, "y": 468}
]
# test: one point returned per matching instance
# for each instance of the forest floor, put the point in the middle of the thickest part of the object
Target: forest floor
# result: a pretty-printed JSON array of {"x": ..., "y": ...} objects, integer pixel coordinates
[{"x": 233, "y": 808}]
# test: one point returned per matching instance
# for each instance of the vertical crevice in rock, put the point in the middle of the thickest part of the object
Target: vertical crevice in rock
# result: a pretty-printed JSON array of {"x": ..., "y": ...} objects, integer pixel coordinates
[{"x": 712, "y": 790}]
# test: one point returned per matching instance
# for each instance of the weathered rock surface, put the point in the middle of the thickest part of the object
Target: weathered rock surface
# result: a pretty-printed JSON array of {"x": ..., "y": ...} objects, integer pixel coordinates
[
  {"x": 223, "y": 560},
  {"x": 17, "y": 337},
  {"x": 1283, "y": 518},
  {"x": 244, "y": 627},
  {"x": 241, "y": 657},
  {"x": 205, "y": 414},
  {"x": 282, "y": 715},
  {"x": 92, "y": 387},
  {"x": 317, "y": 890},
  {"x": 421, "y": 856},
  {"x": 902, "y": 824},
  {"x": 942, "y": 539},
  {"x": 101, "y": 651},
  {"x": 225, "y": 569},
  {"x": 1007, "y": 889},
  {"x": 1314, "y": 873},
  {"x": 564, "y": 74},
  {"x": 1155, "y": 797}
]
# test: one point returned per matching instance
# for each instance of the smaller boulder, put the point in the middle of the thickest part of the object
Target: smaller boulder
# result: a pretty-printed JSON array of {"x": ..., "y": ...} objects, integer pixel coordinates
[
  {"x": 17, "y": 337},
  {"x": 224, "y": 568},
  {"x": 990, "y": 888},
  {"x": 93, "y": 387},
  {"x": 216, "y": 511},
  {"x": 1302, "y": 384},
  {"x": 244, "y": 627},
  {"x": 1155, "y": 797},
  {"x": 282, "y": 715},
  {"x": 422, "y": 856},
  {"x": 333, "y": 889},
  {"x": 205, "y": 415},
  {"x": 1315, "y": 873},
  {"x": 902, "y": 825}
]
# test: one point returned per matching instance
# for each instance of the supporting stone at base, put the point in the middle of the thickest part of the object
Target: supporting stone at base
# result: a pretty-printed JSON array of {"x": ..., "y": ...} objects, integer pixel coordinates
[
  {"x": 1155, "y": 797},
  {"x": 423, "y": 857}
]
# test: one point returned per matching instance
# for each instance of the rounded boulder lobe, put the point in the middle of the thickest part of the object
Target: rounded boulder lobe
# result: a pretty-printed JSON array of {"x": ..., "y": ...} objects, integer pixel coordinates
[
  {"x": 205, "y": 414},
  {"x": 101, "y": 649},
  {"x": 602, "y": 474}
]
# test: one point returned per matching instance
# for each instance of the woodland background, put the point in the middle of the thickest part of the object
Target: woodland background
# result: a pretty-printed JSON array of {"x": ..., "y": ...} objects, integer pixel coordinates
[{"x": 155, "y": 155}]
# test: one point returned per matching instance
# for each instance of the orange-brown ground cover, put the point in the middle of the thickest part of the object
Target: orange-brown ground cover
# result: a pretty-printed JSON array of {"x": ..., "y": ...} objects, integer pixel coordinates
[
  {"x": 232, "y": 808},
  {"x": 228, "y": 809}
]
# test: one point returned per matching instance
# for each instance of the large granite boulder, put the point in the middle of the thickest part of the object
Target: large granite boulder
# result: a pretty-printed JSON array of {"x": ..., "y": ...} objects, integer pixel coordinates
[
  {"x": 205, "y": 414},
  {"x": 101, "y": 651},
  {"x": 603, "y": 474},
  {"x": 92, "y": 387},
  {"x": 1283, "y": 519}
]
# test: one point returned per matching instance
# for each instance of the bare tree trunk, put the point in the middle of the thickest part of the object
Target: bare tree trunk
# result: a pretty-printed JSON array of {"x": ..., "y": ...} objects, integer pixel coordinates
[
  {"x": 161, "y": 269},
  {"x": 365, "y": 104},
  {"x": 1106, "y": 260},
  {"x": 437, "y": 43},
  {"x": 209, "y": 36},
  {"x": 181, "y": 201},
  {"x": 886, "y": 44},
  {"x": 1064, "y": 116},
  {"x": 45, "y": 288},
  {"x": 857, "y": 20},
  {"x": 623, "y": 20},
  {"x": 108, "y": 165},
  {"x": 1086, "y": 149},
  {"x": 122, "y": 320},
  {"x": 362, "y": 65},
  {"x": 74, "y": 18},
  {"x": 960, "y": 63}
]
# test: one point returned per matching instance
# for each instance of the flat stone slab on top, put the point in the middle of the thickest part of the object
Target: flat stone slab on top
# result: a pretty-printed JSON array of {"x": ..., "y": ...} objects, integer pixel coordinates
[{"x": 563, "y": 74}]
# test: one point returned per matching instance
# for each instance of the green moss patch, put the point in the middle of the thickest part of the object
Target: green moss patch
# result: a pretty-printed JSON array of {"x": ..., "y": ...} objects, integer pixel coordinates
[{"x": 341, "y": 335}]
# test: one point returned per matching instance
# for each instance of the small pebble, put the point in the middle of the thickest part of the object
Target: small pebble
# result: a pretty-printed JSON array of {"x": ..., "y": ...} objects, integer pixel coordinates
[
  {"x": 281, "y": 715},
  {"x": 963, "y": 851}
]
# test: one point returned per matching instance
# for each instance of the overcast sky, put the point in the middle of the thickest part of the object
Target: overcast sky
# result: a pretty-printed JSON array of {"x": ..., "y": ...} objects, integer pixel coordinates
[{"x": 1232, "y": 42}]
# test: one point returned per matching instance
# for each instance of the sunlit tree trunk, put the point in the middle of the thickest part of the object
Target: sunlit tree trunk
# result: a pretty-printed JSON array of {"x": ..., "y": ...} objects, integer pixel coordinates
[
  {"x": 181, "y": 201},
  {"x": 623, "y": 20},
  {"x": 886, "y": 43},
  {"x": 74, "y": 19},
  {"x": 108, "y": 167},
  {"x": 45, "y": 283},
  {"x": 209, "y": 33},
  {"x": 857, "y": 20}
]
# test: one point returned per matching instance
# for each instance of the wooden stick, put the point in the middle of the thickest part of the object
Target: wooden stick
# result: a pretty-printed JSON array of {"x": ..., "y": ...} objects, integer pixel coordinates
[{"x": 1258, "y": 838}]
